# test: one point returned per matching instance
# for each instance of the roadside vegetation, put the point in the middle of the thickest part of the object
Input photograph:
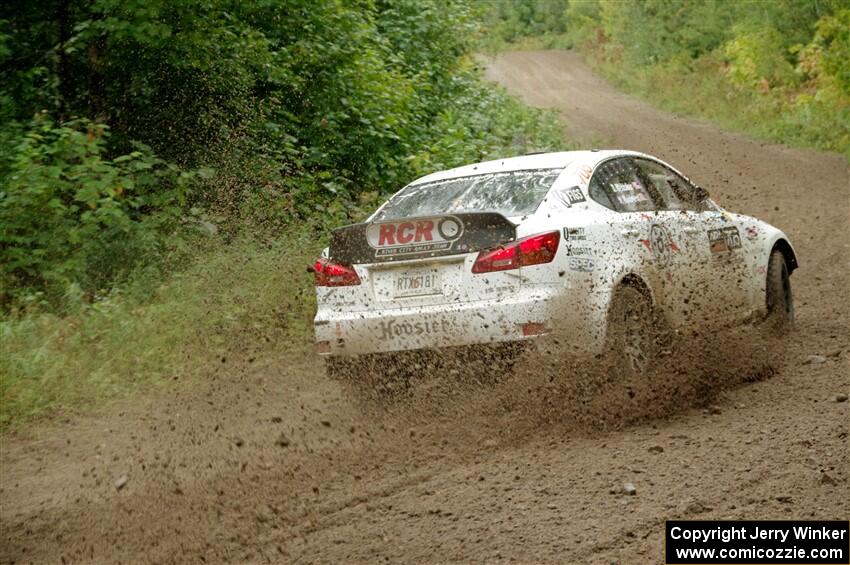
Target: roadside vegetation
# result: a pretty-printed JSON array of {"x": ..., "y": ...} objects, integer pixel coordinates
[
  {"x": 776, "y": 69},
  {"x": 169, "y": 169}
]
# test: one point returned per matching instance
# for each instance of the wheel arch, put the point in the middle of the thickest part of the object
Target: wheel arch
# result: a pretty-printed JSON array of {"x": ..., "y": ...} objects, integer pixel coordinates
[
  {"x": 636, "y": 281},
  {"x": 783, "y": 246},
  {"x": 631, "y": 280}
]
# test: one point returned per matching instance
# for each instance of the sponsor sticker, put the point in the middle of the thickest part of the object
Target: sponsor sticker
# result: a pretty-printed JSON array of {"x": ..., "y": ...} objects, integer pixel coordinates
[
  {"x": 573, "y": 250},
  {"x": 391, "y": 329},
  {"x": 575, "y": 234},
  {"x": 660, "y": 244},
  {"x": 724, "y": 239},
  {"x": 582, "y": 264},
  {"x": 571, "y": 195},
  {"x": 574, "y": 195},
  {"x": 414, "y": 236}
]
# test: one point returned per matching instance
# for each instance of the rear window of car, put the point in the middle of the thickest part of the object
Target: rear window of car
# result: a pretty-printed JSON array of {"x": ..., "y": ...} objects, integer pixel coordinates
[{"x": 514, "y": 193}]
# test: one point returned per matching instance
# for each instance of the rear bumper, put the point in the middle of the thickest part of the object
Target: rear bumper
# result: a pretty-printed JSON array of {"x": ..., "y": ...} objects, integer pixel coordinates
[{"x": 433, "y": 327}]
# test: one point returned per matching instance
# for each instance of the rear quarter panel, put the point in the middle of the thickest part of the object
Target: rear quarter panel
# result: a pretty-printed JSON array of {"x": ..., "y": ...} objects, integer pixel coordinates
[{"x": 591, "y": 261}]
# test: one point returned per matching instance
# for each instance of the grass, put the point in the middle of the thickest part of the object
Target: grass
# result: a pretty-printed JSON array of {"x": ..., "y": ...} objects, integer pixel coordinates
[
  {"x": 245, "y": 297},
  {"x": 700, "y": 89}
]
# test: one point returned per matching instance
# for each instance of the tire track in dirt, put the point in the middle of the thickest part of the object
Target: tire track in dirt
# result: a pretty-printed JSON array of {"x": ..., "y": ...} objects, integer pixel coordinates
[{"x": 271, "y": 462}]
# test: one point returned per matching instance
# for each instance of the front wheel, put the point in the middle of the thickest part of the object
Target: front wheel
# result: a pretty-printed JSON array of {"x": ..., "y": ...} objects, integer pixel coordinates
[{"x": 780, "y": 301}]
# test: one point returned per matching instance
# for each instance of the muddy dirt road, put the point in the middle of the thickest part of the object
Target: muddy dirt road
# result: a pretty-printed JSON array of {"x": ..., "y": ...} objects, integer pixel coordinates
[{"x": 271, "y": 462}]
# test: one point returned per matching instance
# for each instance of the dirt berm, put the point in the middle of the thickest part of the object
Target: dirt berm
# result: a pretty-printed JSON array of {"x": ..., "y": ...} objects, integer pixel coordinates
[{"x": 271, "y": 462}]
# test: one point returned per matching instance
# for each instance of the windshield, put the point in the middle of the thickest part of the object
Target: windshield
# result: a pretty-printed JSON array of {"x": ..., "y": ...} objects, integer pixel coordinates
[{"x": 515, "y": 193}]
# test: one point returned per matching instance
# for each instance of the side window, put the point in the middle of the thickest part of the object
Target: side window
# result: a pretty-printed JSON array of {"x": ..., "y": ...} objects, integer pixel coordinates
[
  {"x": 616, "y": 184},
  {"x": 676, "y": 193}
]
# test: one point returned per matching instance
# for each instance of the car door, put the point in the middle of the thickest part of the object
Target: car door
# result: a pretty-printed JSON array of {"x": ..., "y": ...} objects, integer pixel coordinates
[
  {"x": 645, "y": 230},
  {"x": 711, "y": 245}
]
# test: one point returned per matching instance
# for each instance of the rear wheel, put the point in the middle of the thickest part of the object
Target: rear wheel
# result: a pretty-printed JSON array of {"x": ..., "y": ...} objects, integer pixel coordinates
[
  {"x": 632, "y": 336},
  {"x": 780, "y": 301}
]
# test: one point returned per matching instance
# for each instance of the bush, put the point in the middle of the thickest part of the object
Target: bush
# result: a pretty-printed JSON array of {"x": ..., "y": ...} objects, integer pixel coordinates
[
  {"x": 756, "y": 59},
  {"x": 70, "y": 218}
]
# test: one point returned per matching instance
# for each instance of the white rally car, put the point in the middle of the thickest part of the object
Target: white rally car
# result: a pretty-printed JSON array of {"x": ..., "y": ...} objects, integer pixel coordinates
[{"x": 605, "y": 247}]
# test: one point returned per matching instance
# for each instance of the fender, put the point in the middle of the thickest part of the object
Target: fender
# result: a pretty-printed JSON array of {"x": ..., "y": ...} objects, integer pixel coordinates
[
  {"x": 763, "y": 239},
  {"x": 782, "y": 244},
  {"x": 623, "y": 279}
]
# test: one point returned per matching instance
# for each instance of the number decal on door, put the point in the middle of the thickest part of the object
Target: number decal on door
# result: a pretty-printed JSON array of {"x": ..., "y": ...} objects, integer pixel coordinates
[{"x": 724, "y": 239}]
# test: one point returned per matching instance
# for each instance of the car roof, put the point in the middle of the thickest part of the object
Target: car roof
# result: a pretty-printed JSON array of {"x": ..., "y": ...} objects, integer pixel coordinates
[{"x": 555, "y": 160}]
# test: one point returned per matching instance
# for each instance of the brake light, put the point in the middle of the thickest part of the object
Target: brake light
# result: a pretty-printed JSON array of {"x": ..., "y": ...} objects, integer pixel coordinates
[
  {"x": 533, "y": 328},
  {"x": 533, "y": 250},
  {"x": 329, "y": 273}
]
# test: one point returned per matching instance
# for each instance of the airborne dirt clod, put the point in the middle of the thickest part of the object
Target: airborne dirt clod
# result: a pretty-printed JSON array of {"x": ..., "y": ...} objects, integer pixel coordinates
[{"x": 272, "y": 462}]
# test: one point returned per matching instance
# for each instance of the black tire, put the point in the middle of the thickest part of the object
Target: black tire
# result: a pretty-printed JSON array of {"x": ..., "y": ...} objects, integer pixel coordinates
[
  {"x": 632, "y": 333},
  {"x": 779, "y": 299}
]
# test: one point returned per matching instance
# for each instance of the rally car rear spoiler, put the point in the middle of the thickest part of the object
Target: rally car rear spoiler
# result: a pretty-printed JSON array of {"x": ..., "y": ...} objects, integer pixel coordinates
[{"x": 419, "y": 237}]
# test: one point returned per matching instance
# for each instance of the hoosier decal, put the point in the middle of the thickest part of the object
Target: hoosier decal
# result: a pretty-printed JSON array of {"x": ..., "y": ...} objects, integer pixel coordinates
[
  {"x": 573, "y": 251},
  {"x": 391, "y": 329},
  {"x": 414, "y": 236},
  {"x": 724, "y": 239}
]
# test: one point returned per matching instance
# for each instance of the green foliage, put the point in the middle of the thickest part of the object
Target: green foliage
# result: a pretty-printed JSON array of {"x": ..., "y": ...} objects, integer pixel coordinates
[
  {"x": 70, "y": 216},
  {"x": 301, "y": 110},
  {"x": 776, "y": 68},
  {"x": 756, "y": 58},
  {"x": 474, "y": 129},
  {"x": 510, "y": 20},
  {"x": 169, "y": 167},
  {"x": 825, "y": 59}
]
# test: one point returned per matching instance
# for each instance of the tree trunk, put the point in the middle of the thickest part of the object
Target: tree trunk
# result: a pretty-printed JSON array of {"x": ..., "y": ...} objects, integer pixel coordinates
[{"x": 63, "y": 64}]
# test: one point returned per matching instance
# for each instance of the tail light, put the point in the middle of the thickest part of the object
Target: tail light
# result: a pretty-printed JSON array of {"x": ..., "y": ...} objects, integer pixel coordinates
[
  {"x": 533, "y": 250},
  {"x": 329, "y": 273},
  {"x": 533, "y": 328}
]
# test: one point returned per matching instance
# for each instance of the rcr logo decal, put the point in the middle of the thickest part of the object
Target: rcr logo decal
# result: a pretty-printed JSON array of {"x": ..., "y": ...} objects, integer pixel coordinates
[{"x": 414, "y": 236}]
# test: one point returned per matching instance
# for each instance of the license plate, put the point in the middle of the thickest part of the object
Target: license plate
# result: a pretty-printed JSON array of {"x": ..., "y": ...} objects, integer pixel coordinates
[{"x": 417, "y": 284}]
